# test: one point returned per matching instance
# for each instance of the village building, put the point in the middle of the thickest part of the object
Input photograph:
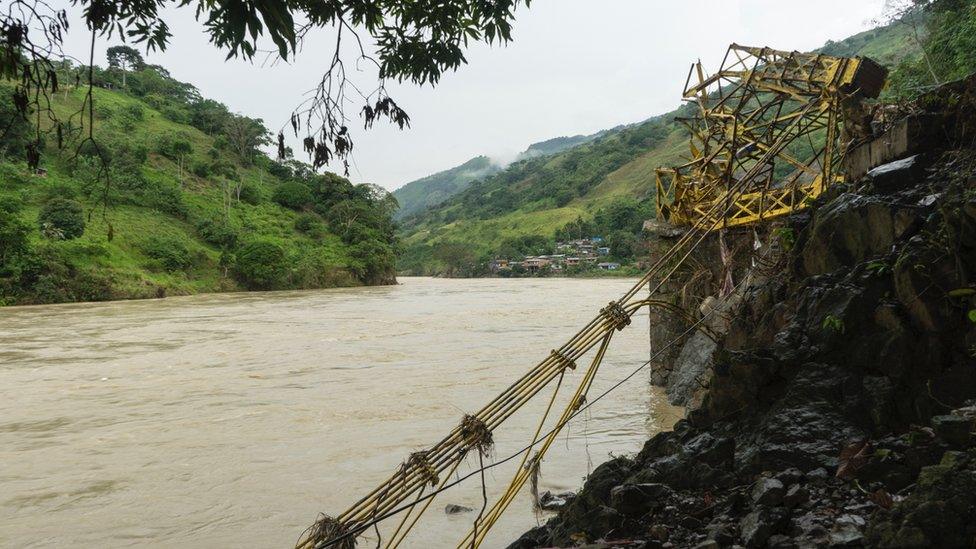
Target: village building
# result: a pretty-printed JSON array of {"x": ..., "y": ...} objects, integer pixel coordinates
[
  {"x": 584, "y": 252},
  {"x": 536, "y": 263}
]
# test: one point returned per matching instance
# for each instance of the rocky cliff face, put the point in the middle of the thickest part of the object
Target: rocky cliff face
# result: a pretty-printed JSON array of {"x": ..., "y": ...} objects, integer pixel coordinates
[{"x": 837, "y": 409}]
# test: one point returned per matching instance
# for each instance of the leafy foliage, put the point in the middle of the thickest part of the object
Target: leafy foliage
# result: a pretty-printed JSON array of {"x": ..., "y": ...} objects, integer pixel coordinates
[
  {"x": 308, "y": 223},
  {"x": 169, "y": 205},
  {"x": 946, "y": 44},
  {"x": 62, "y": 219},
  {"x": 124, "y": 59},
  {"x": 15, "y": 130},
  {"x": 219, "y": 232},
  {"x": 171, "y": 252},
  {"x": 415, "y": 40},
  {"x": 260, "y": 264},
  {"x": 14, "y": 231},
  {"x": 293, "y": 194}
]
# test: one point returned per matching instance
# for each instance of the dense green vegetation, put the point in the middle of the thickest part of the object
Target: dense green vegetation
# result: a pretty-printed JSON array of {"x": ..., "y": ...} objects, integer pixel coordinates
[
  {"x": 422, "y": 194},
  {"x": 947, "y": 46},
  {"x": 173, "y": 195},
  {"x": 419, "y": 195},
  {"x": 582, "y": 191}
]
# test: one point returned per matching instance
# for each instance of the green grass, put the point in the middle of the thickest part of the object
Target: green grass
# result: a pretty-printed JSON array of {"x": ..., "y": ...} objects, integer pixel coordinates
[{"x": 116, "y": 234}]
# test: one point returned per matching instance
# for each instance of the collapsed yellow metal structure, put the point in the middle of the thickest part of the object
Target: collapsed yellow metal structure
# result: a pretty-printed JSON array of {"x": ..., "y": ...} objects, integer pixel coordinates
[
  {"x": 752, "y": 115},
  {"x": 774, "y": 126}
]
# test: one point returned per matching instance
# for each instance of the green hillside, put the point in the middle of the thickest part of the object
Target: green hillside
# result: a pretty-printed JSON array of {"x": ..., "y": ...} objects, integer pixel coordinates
[
  {"x": 173, "y": 196},
  {"x": 420, "y": 195},
  {"x": 423, "y": 193},
  {"x": 602, "y": 187},
  {"x": 555, "y": 145}
]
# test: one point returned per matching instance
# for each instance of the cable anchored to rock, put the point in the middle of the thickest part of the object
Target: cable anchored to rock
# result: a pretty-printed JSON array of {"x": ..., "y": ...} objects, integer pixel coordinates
[{"x": 759, "y": 137}]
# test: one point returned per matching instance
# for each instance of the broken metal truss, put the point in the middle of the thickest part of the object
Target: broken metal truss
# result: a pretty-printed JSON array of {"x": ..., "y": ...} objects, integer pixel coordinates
[{"x": 771, "y": 130}]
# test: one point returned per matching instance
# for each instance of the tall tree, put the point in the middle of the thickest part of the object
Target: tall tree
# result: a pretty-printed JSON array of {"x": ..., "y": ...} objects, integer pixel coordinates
[
  {"x": 415, "y": 41},
  {"x": 455, "y": 256},
  {"x": 124, "y": 59},
  {"x": 245, "y": 135},
  {"x": 180, "y": 149},
  {"x": 15, "y": 128}
]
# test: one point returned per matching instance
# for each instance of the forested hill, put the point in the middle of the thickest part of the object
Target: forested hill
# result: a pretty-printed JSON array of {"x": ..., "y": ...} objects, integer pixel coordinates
[
  {"x": 601, "y": 187},
  {"x": 173, "y": 196},
  {"x": 419, "y": 195},
  {"x": 423, "y": 193}
]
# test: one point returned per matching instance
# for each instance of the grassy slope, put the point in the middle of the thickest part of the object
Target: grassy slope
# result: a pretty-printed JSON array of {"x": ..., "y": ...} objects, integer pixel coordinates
[
  {"x": 122, "y": 259},
  {"x": 417, "y": 196},
  {"x": 423, "y": 193},
  {"x": 634, "y": 179}
]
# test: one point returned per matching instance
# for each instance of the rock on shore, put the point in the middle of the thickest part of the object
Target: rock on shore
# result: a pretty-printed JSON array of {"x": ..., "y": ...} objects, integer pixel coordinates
[{"x": 838, "y": 407}]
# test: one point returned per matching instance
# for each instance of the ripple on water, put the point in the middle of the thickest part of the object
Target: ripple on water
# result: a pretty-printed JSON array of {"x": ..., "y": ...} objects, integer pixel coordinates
[{"x": 235, "y": 419}]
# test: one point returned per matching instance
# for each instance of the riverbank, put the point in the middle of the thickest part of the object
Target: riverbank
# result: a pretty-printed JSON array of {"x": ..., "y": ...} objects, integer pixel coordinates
[
  {"x": 838, "y": 408},
  {"x": 628, "y": 271},
  {"x": 137, "y": 288}
]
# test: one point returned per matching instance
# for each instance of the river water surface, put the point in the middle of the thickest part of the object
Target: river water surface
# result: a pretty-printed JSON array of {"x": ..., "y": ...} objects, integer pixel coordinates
[{"x": 232, "y": 420}]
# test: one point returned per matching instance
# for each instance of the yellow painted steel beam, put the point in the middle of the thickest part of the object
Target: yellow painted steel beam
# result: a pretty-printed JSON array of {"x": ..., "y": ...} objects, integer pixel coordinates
[{"x": 783, "y": 109}]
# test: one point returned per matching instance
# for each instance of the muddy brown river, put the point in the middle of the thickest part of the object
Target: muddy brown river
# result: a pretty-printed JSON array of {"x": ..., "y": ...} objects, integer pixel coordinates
[{"x": 233, "y": 420}]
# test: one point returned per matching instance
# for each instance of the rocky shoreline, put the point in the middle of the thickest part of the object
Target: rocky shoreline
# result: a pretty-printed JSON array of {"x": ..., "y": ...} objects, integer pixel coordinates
[{"x": 837, "y": 408}]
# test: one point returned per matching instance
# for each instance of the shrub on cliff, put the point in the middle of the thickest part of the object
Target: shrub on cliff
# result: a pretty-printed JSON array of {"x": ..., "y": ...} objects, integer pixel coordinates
[
  {"x": 293, "y": 195},
  {"x": 309, "y": 224},
  {"x": 61, "y": 219},
  {"x": 218, "y": 232},
  {"x": 260, "y": 265},
  {"x": 373, "y": 262},
  {"x": 14, "y": 243},
  {"x": 250, "y": 193},
  {"x": 171, "y": 253}
]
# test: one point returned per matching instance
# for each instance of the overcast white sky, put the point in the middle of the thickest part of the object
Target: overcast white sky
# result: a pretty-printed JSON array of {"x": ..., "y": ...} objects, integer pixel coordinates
[{"x": 575, "y": 66}]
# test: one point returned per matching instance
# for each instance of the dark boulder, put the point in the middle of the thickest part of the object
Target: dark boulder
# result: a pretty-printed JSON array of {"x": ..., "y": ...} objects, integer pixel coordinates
[
  {"x": 536, "y": 537},
  {"x": 939, "y": 513},
  {"x": 847, "y": 531},
  {"x": 757, "y": 527},
  {"x": 849, "y": 230},
  {"x": 955, "y": 430},
  {"x": 789, "y": 476},
  {"x": 796, "y": 495},
  {"x": 768, "y": 491},
  {"x": 554, "y": 502},
  {"x": 898, "y": 175},
  {"x": 637, "y": 499}
]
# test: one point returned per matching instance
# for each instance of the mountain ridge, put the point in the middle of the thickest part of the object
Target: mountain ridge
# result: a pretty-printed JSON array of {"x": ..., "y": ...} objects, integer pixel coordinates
[{"x": 420, "y": 194}]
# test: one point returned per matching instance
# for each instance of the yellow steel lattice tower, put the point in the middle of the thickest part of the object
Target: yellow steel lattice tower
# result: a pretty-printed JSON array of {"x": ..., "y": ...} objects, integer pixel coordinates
[{"x": 770, "y": 132}]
